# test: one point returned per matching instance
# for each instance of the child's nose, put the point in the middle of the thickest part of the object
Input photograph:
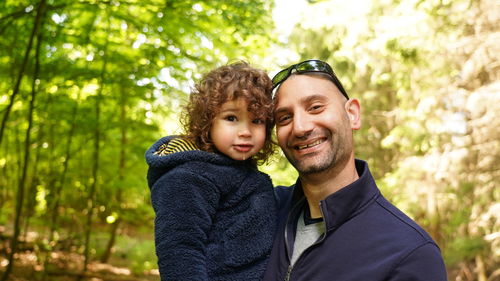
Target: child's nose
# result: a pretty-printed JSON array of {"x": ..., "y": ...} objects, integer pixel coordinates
[{"x": 244, "y": 132}]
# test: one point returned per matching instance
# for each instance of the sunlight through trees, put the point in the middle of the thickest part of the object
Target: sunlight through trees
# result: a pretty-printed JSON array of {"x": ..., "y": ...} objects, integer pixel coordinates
[{"x": 86, "y": 86}]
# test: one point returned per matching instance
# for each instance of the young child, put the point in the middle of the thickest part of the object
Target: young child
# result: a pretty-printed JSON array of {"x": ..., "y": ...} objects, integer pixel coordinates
[{"x": 215, "y": 212}]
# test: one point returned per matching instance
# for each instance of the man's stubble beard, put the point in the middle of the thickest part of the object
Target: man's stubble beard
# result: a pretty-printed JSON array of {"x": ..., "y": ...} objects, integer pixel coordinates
[
  {"x": 338, "y": 153},
  {"x": 322, "y": 162}
]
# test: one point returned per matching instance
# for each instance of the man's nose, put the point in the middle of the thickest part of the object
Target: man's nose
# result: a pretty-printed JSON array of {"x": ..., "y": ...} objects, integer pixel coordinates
[{"x": 302, "y": 125}]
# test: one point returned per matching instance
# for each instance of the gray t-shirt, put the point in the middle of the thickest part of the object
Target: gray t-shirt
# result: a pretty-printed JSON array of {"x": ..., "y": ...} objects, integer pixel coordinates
[{"x": 306, "y": 236}]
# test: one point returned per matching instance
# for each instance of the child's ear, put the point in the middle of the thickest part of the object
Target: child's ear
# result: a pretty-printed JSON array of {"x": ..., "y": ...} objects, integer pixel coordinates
[{"x": 353, "y": 109}]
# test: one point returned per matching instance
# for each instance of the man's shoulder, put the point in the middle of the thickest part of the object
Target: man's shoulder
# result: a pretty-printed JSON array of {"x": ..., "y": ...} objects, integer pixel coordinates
[{"x": 403, "y": 223}]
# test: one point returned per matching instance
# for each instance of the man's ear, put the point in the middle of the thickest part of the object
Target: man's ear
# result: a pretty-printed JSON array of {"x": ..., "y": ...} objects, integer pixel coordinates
[{"x": 353, "y": 109}]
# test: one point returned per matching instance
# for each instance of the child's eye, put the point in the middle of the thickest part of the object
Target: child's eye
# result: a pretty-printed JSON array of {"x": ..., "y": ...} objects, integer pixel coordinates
[
  {"x": 230, "y": 118},
  {"x": 258, "y": 121}
]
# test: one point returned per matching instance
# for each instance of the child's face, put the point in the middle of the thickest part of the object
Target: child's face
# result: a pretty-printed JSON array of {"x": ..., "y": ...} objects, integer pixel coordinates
[{"x": 236, "y": 132}]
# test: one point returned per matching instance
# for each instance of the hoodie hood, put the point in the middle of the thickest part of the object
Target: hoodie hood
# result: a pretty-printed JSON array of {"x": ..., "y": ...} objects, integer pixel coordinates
[{"x": 172, "y": 151}]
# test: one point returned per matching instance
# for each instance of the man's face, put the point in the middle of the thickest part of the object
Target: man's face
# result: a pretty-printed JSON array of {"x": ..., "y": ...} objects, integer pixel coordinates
[{"x": 313, "y": 124}]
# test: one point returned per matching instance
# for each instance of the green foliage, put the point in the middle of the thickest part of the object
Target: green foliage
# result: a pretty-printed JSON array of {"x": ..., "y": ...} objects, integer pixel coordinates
[
  {"x": 425, "y": 72},
  {"x": 463, "y": 249},
  {"x": 425, "y": 78},
  {"x": 112, "y": 73},
  {"x": 140, "y": 253},
  {"x": 281, "y": 171}
]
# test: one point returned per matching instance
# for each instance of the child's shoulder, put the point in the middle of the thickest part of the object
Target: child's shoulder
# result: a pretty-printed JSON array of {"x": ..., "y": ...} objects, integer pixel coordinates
[
  {"x": 175, "y": 144},
  {"x": 171, "y": 150}
]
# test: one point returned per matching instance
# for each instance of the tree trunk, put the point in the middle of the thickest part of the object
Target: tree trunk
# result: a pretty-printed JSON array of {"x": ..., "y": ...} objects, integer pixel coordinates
[
  {"x": 121, "y": 175},
  {"x": 32, "y": 182},
  {"x": 95, "y": 171},
  {"x": 62, "y": 181},
  {"x": 480, "y": 268},
  {"x": 95, "y": 168},
  {"x": 53, "y": 209},
  {"x": 20, "y": 191},
  {"x": 6, "y": 175},
  {"x": 112, "y": 239},
  {"x": 41, "y": 7}
]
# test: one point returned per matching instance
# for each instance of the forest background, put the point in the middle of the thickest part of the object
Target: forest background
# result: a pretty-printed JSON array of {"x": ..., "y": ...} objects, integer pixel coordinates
[{"x": 86, "y": 86}]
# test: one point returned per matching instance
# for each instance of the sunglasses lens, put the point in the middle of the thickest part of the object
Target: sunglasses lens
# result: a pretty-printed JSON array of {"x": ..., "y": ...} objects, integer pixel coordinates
[
  {"x": 280, "y": 76},
  {"x": 307, "y": 66},
  {"x": 314, "y": 66}
]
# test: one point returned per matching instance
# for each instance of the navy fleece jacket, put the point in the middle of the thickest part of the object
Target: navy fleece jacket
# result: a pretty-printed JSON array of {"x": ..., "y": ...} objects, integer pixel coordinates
[
  {"x": 215, "y": 217},
  {"x": 367, "y": 238}
]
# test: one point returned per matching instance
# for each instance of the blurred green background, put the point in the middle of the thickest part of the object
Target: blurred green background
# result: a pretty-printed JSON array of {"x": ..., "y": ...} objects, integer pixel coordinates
[{"x": 86, "y": 86}]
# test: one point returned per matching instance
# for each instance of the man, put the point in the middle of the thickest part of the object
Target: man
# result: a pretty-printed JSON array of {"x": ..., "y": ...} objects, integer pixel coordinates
[{"x": 335, "y": 224}]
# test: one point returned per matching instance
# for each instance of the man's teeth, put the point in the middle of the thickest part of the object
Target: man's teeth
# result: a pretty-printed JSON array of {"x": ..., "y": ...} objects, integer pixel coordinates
[{"x": 309, "y": 145}]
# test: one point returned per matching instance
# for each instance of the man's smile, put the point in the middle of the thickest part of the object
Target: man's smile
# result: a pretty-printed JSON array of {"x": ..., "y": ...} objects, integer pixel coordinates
[{"x": 304, "y": 146}]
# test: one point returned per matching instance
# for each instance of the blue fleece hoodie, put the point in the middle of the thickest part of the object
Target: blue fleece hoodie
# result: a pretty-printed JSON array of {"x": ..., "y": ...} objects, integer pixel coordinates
[{"x": 215, "y": 217}]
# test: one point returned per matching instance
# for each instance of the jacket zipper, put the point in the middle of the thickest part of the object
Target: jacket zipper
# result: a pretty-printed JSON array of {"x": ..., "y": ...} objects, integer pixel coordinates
[
  {"x": 288, "y": 272},
  {"x": 290, "y": 267}
]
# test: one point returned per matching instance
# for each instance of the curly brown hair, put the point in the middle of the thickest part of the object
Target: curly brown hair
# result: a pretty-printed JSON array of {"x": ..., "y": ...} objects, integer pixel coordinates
[{"x": 227, "y": 83}]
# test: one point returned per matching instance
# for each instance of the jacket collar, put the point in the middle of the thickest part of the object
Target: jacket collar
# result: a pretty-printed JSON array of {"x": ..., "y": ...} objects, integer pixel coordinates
[{"x": 344, "y": 203}]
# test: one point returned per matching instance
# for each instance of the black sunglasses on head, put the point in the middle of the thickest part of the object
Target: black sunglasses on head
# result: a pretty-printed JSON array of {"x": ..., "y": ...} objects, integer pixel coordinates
[{"x": 305, "y": 67}]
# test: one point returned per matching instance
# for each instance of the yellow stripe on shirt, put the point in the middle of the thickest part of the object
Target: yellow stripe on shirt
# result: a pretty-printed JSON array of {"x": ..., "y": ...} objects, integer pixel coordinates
[{"x": 176, "y": 145}]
